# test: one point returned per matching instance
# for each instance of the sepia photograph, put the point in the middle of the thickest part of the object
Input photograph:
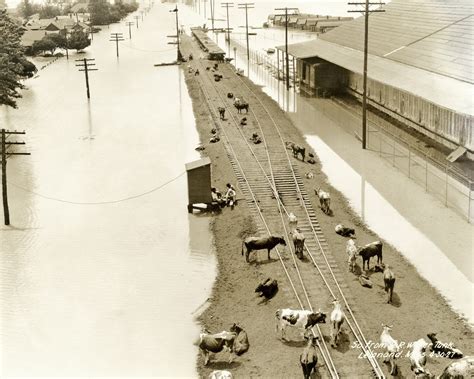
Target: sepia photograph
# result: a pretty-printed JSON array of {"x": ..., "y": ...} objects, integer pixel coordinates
[{"x": 226, "y": 189}]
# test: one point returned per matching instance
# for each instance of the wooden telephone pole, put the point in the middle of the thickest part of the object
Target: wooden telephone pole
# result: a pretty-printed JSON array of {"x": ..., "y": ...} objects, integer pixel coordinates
[
  {"x": 366, "y": 11},
  {"x": 5, "y": 154},
  {"x": 136, "y": 20},
  {"x": 116, "y": 37},
  {"x": 175, "y": 10},
  {"x": 227, "y": 6},
  {"x": 287, "y": 64},
  {"x": 85, "y": 66},
  {"x": 129, "y": 24},
  {"x": 246, "y": 6}
]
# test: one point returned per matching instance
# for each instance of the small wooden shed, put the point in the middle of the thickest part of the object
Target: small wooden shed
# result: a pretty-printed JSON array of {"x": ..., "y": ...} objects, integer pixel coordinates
[{"x": 199, "y": 182}]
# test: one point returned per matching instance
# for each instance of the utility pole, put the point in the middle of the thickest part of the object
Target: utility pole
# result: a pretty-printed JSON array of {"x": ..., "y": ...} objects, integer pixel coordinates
[
  {"x": 84, "y": 66},
  {"x": 366, "y": 11},
  {"x": 136, "y": 19},
  {"x": 178, "y": 59},
  {"x": 286, "y": 43},
  {"x": 5, "y": 153},
  {"x": 142, "y": 12},
  {"x": 227, "y": 6},
  {"x": 211, "y": 4},
  {"x": 116, "y": 37},
  {"x": 246, "y": 6},
  {"x": 129, "y": 24}
]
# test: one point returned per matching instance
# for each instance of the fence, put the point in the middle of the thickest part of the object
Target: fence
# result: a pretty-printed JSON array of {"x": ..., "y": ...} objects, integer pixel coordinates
[{"x": 442, "y": 180}]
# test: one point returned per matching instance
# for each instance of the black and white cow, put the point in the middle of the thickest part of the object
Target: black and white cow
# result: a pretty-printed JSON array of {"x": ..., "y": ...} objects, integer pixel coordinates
[
  {"x": 268, "y": 288},
  {"x": 241, "y": 342},
  {"x": 259, "y": 243},
  {"x": 371, "y": 250},
  {"x": 344, "y": 230},
  {"x": 215, "y": 343},
  {"x": 300, "y": 319}
]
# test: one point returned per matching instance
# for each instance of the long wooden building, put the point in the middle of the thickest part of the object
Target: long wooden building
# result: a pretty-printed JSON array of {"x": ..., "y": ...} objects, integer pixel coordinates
[{"x": 420, "y": 66}]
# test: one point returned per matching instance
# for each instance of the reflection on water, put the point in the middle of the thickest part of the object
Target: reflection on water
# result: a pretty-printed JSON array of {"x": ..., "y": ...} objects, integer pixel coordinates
[
  {"x": 434, "y": 238},
  {"x": 104, "y": 289}
]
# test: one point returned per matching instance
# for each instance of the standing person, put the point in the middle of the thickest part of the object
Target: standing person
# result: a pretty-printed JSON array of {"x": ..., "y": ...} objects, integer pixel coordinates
[{"x": 230, "y": 195}]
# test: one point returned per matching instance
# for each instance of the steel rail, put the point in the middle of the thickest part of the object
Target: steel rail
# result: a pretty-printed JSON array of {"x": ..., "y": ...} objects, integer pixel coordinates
[
  {"x": 324, "y": 352},
  {"x": 368, "y": 353}
]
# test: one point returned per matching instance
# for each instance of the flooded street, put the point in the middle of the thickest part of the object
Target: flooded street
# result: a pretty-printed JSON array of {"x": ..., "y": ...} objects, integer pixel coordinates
[{"x": 102, "y": 267}]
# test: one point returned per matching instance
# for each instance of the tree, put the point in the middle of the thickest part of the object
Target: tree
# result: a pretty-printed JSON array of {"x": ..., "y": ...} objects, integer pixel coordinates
[
  {"x": 78, "y": 40},
  {"x": 13, "y": 64},
  {"x": 99, "y": 12},
  {"x": 27, "y": 9},
  {"x": 49, "y": 11},
  {"x": 44, "y": 44}
]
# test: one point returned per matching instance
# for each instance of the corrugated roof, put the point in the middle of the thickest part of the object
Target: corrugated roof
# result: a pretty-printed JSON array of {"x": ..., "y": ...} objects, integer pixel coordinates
[
  {"x": 430, "y": 34},
  {"x": 439, "y": 89}
]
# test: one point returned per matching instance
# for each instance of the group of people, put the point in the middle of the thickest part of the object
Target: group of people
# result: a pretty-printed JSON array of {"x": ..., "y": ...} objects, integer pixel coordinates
[{"x": 228, "y": 199}]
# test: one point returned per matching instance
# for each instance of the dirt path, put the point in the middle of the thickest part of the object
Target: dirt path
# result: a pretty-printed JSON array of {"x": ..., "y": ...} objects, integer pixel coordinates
[{"x": 417, "y": 310}]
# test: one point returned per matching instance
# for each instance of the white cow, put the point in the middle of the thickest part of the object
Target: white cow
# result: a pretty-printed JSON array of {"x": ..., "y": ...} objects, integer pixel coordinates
[
  {"x": 337, "y": 319},
  {"x": 300, "y": 319},
  {"x": 220, "y": 374},
  {"x": 391, "y": 345},
  {"x": 418, "y": 356},
  {"x": 351, "y": 250}
]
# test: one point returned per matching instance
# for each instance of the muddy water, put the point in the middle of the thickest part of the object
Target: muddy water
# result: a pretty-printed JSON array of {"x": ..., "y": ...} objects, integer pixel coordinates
[{"x": 102, "y": 267}]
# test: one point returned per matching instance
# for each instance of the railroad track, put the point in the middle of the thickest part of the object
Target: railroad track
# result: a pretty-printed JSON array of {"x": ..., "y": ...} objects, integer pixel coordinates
[{"x": 273, "y": 188}]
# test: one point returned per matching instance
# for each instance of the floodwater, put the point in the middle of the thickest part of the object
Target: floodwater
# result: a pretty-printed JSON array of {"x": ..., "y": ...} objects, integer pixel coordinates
[
  {"x": 435, "y": 239},
  {"x": 102, "y": 269}
]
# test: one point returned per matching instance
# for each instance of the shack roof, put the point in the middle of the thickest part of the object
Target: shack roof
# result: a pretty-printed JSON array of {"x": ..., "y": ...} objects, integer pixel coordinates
[
  {"x": 330, "y": 23},
  {"x": 439, "y": 89},
  {"x": 196, "y": 164},
  {"x": 210, "y": 45},
  {"x": 30, "y": 36},
  {"x": 433, "y": 35}
]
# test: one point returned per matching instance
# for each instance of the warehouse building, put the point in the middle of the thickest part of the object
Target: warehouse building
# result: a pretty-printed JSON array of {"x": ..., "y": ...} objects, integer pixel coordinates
[{"x": 420, "y": 66}]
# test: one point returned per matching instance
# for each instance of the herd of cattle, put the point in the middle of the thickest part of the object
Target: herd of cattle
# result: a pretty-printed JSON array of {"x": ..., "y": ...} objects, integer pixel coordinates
[
  {"x": 235, "y": 341},
  {"x": 304, "y": 320}
]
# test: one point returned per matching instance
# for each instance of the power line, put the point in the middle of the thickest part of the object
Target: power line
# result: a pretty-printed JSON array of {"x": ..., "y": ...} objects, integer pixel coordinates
[
  {"x": 100, "y": 202},
  {"x": 246, "y": 6},
  {"x": 286, "y": 9}
]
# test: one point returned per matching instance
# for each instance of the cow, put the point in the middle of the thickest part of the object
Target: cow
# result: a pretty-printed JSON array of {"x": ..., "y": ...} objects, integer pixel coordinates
[
  {"x": 298, "y": 242},
  {"x": 370, "y": 250},
  {"x": 389, "y": 281},
  {"x": 241, "y": 342},
  {"x": 221, "y": 113},
  {"x": 241, "y": 104},
  {"x": 337, "y": 319},
  {"x": 259, "y": 243},
  {"x": 220, "y": 374},
  {"x": 418, "y": 357},
  {"x": 292, "y": 220},
  {"x": 300, "y": 319},
  {"x": 230, "y": 95},
  {"x": 351, "y": 251},
  {"x": 289, "y": 145},
  {"x": 268, "y": 288},
  {"x": 298, "y": 150},
  {"x": 308, "y": 357},
  {"x": 391, "y": 345},
  {"x": 344, "y": 231},
  {"x": 463, "y": 368},
  {"x": 446, "y": 350},
  {"x": 324, "y": 200},
  {"x": 215, "y": 343}
]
